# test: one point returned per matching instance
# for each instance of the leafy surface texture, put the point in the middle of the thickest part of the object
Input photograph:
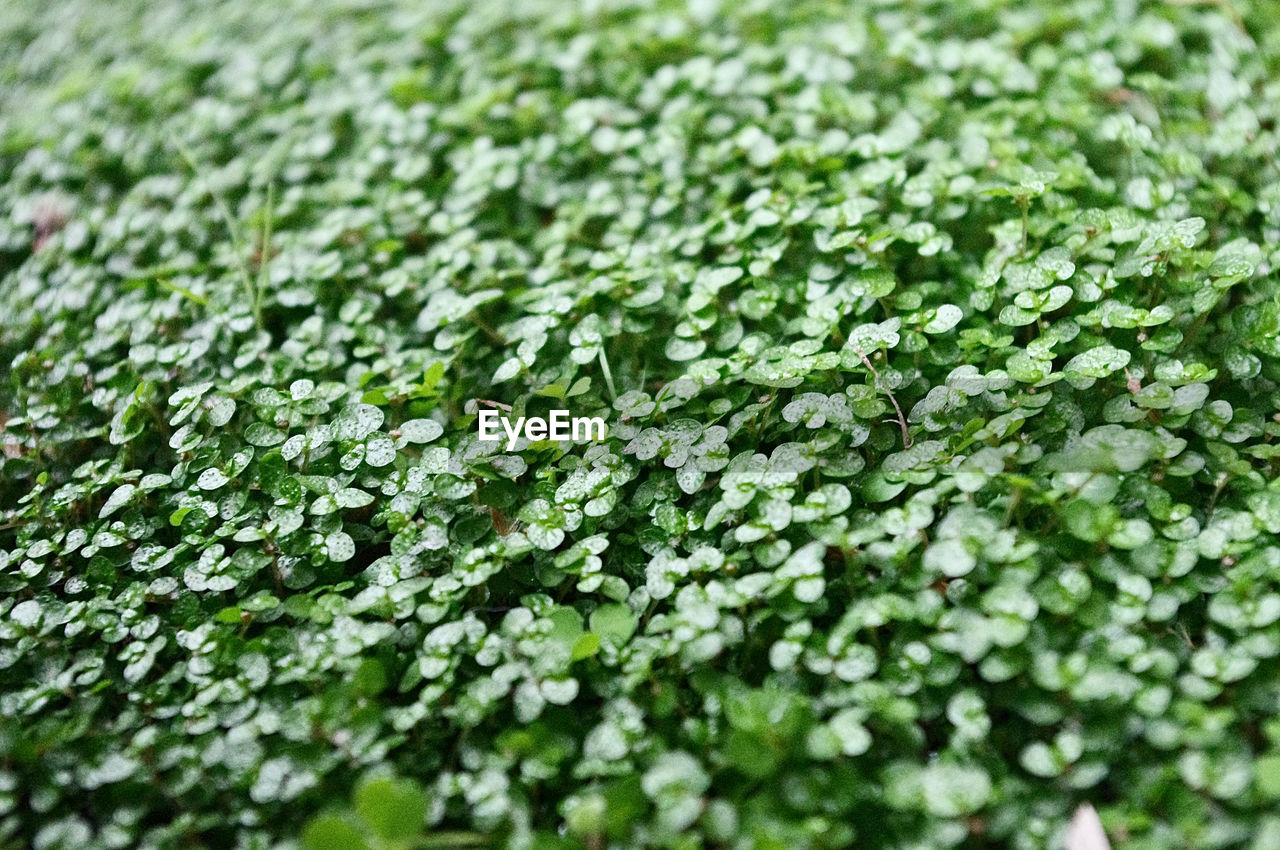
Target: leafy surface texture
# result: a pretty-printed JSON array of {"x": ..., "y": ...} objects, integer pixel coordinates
[{"x": 938, "y": 349}]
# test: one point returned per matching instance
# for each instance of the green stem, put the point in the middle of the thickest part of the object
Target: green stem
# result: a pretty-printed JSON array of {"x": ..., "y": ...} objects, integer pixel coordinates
[
  {"x": 237, "y": 244},
  {"x": 902, "y": 420},
  {"x": 608, "y": 375},
  {"x": 1025, "y": 205},
  {"x": 264, "y": 254}
]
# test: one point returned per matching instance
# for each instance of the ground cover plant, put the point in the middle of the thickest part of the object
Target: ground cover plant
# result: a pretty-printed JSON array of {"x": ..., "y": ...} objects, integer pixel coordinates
[{"x": 937, "y": 343}]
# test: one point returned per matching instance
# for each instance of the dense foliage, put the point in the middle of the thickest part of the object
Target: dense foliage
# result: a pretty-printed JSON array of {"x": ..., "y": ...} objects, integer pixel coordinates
[{"x": 938, "y": 346}]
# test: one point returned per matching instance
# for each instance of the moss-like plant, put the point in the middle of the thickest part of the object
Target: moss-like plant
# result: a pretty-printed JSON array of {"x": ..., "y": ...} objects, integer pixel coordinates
[{"x": 939, "y": 346}]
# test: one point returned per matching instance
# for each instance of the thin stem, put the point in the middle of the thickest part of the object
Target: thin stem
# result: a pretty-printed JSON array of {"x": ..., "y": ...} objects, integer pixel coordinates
[
  {"x": 764, "y": 416},
  {"x": 488, "y": 331},
  {"x": 1219, "y": 485},
  {"x": 902, "y": 420},
  {"x": 233, "y": 231},
  {"x": 608, "y": 375},
  {"x": 1025, "y": 204},
  {"x": 183, "y": 291},
  {"x": 264, "y": 254}
]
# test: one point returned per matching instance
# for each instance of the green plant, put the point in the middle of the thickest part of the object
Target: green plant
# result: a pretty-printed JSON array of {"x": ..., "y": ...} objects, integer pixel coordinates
[{"x": 938, "y": 348}]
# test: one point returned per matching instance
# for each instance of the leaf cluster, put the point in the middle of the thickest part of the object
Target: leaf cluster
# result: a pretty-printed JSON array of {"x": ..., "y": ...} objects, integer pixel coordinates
[{"x": 939, "y": 349}]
